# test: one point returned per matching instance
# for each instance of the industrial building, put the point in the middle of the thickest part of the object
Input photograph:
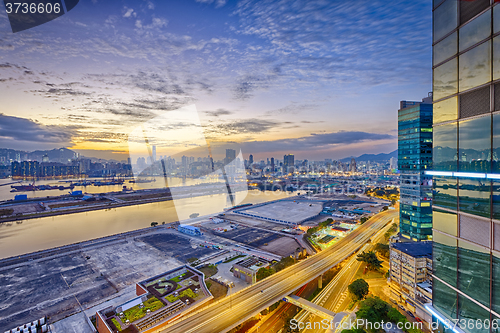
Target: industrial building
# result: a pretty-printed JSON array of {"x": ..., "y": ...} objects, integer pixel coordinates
[
  {"x": 246, "y": 269},
  {"x": 466, "y": 168},
  {"x": 410, "y": 276},
  {"x": 189, "y": 230},
  {"x": 414, "y": 158},
  {"x": 160, "y": 300}
]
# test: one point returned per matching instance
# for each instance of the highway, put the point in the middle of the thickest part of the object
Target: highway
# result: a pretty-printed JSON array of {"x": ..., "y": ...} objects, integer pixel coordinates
[
  {"x": 230, "y": 311},
  {"x": 334, "y": 297}
]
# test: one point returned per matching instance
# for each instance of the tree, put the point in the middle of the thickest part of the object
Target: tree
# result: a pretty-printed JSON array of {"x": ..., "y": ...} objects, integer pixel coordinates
[
  {"x": 358, "y": 289},
  {"x": 154, "y": 224},
  {"x": 373, "y": 309},
  {"x": 385, "y": 208},
  {"x": 364, "y": 219},
  {"x": 291, "y": 327},
  {"x": 192, "y": 260},
  {"x": 371, "y": 260},
  {"x": 393, "y": 202},
  {"x": 382, "y": 249},
  {"x": 264, "y": 272}
]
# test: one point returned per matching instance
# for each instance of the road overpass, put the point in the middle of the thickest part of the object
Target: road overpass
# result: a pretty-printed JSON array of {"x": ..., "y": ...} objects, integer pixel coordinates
[{"x": 233, "y": 310}]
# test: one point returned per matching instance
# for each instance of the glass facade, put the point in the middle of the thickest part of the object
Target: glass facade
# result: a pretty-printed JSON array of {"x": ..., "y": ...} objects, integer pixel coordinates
[
  {"x": 414, "y": 158},
  {"x": 466, "y": 138}
]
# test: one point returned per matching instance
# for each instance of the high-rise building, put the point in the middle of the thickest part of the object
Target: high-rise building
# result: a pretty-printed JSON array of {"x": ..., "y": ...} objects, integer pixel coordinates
[
  {"x": 272, "y": 164},
  {"x": 153, "y": 158},
  {"x": 466, "y": 128},
  {"x": 230, "y": 155},
  {"x": 250, "y": 159},
  {"x": 352, "y": 166},
  {"x": 414, "y": 158},
  {"x": 288, "y": 163}
]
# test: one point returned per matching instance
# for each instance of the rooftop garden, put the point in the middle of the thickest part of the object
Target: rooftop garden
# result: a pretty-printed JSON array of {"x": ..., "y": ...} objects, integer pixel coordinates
[
  {"x": 139, "y": 311},
  {"x": 187, "y": 292}
]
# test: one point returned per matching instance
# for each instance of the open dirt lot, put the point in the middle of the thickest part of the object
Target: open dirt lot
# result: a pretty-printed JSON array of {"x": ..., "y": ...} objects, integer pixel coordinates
[
  {"x": 283, "y": 246},
  {"x": 51, "y": 286}
]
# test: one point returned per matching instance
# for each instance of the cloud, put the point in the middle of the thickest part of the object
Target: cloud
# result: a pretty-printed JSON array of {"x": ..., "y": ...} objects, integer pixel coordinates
[
  {"x": 246, "y": 126},
  {"x": 314, "y": 141},
  {"x": 219, "y": 112},
  {"x": 16, "y": 131},
  {"x": 129, "y": 12}
]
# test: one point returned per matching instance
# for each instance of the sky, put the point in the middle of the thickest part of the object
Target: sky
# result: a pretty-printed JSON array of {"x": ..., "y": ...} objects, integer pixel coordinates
[{"x": 316, "y": 78}]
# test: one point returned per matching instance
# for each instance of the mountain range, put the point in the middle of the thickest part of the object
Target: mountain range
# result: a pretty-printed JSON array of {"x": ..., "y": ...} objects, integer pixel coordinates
[{"x": 372, "y": 157}]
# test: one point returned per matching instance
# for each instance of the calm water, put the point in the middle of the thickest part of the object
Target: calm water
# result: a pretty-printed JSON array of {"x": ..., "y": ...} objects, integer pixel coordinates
[
  {"x": 5, "y": 193},
  {"x": 48, "y": 232}
]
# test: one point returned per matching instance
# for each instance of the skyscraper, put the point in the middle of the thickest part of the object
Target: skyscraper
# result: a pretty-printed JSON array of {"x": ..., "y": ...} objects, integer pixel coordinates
[
  {"x": 250, "y": 159},
  {"x": 272, "y": 164},
  {"x": 414, "y": 158},
  {"x": 153, "y": 158},
  {"x": 466, "y": 213},
  {"x": 288, "y": 163},
  {"x": 352, "y": 166},
  {"x": 230, "y": 155}
]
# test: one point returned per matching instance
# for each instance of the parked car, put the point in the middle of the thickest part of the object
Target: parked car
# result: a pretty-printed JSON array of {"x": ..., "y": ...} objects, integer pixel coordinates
[
  {"x": 418, "y": 319},
  {"x": 410, "y": 314}
]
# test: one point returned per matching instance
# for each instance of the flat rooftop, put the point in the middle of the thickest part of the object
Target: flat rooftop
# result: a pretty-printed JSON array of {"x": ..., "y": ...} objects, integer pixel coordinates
[
  {"x": 415, "y": 249},
  {"x": 292, "y": 211}
]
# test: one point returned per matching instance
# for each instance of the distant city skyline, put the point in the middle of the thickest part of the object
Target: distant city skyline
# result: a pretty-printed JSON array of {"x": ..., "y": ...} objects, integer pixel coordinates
[{"x": 266, "y": 77}]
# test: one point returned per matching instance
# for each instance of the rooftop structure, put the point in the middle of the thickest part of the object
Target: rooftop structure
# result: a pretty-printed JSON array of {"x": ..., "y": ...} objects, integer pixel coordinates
[
  {"x": 246, "y": 269},
  {"x": 161, "y": 300},
  {"x": 411, "y": 265}
]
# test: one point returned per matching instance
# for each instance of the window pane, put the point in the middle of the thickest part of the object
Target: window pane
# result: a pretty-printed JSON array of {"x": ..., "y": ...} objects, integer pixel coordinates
[
  {"x": 445, "y": 49},
  {"x": 445, "y": 222},
  {"x": 444, "y": 153},
  {"x": 474, "y": 196},
  {"x": 496, "y": 144},
  {"x": 444, "y": 258},
  {"x": 495, "y": 188},
  {"x": 445, "y": 79},
  {"x": 496, "y": 284},
  {"x": 445, "y": 19},
  {"x": 496, "y": 19},
  {"x": 471, "y": 312},
  {"x": 445, "y": 192},
  {"x": 444, "y": 299},
  {"x": 474, "y": 272},
  {"x": 446, "y": 110},
  {"x": 475, "y": 67},
  {"x": 474, "y": 152},
  {"x": 496, "y": 57},
  {"x": 475, "y": 31}
]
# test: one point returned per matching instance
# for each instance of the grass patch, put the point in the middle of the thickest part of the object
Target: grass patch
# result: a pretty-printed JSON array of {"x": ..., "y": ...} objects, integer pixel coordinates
[
  {"x": 217, "y": 290},
  {"x": 137, "y": 313},
  {"x": 117, "y": 324},
  {"x": 178, "y": 278},
  {"x": 187, "y": 292},
  {"x": 209, "y": 270},
  {"x": 234, "y": 258}
]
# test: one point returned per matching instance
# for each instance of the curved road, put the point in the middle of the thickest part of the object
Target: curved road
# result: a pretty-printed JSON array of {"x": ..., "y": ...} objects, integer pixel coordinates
[{"x": 230, "y": 311}]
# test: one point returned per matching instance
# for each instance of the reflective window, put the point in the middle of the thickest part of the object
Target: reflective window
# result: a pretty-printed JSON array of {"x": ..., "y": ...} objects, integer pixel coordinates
[
  {"x": 444, "y": 151},
  {"x": 495, "y": 167},
  {"x": 475, "y": 67},
  {"x": 496, "y": 284},
  {"x": 495, "y": 198},
  {"x": 444, "y": 299},
  {"x": 474, "y": 272},
  {"x": 445, "y": 192},
  {"x": 474, "y": 196},
  {"x": 446, "y": 110},
  {"x": 474, "y": 145},
  {"x": 496, "y": 19},
  {"x": 445, "y": 19},
  {"x": 496, "y": 57},
  {"x": 445, "y": 49},
  {"x": 470, "y": 312},
  {"x": 445, "y": 222},
  {"x": 475, "y": 31},
  {"x": 445, "y": 79},
  {"x": 444, "y": 259}
]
